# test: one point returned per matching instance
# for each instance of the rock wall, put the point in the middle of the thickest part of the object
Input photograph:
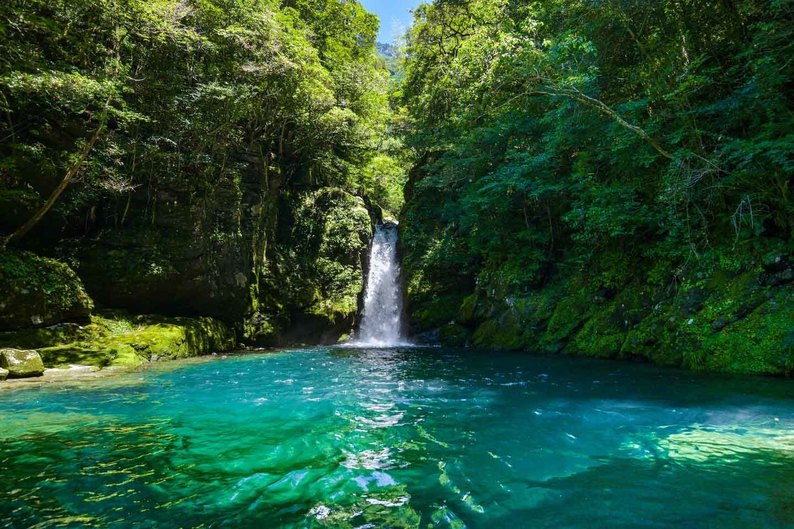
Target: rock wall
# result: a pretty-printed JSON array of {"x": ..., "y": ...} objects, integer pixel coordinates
[
  {"x": 313, "y": 285},
  {"x": 279, "y": 264},
  {"x": 734, "y": 321}
]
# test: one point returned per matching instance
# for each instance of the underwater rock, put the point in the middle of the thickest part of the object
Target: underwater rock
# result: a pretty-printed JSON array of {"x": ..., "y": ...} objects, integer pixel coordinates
[{"x": 21, "y": 363}]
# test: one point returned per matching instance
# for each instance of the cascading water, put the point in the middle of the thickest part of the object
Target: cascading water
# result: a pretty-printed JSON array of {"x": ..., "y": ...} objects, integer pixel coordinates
[{"x": 381, "y": 324}]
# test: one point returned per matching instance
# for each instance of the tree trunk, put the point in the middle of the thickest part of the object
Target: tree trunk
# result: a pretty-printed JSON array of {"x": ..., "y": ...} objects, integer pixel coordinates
[{"x": 70, "y": 174}]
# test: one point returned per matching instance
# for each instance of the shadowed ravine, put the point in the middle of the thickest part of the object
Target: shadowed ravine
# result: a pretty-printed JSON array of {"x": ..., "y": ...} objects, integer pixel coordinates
[{"x": 400, "y": 438}]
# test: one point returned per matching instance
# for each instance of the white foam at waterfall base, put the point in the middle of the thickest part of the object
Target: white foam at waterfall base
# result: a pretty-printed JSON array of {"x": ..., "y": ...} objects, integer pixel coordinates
[{"x": 381, "y": 323}]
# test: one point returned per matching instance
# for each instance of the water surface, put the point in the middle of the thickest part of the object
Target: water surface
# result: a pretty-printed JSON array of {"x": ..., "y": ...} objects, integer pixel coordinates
[{"x": 400, "y": 438}]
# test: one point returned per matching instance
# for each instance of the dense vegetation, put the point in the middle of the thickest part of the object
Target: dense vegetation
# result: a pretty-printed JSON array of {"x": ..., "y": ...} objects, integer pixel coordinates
[
  {"x": 167, "y": 151},
  {"x": 171, "y": 91},
  {"x": 608, "y": 178},
  {"x": 611, "y": 178}
]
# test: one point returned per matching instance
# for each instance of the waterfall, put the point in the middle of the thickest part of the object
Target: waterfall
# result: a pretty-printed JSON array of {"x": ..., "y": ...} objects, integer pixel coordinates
[{"x": 381, "y": 323}]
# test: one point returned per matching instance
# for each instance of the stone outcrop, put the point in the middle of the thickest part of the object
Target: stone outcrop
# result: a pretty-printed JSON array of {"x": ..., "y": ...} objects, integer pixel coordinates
[
  {"x": 278, "y": 265},
  {"x": 734, "y": 322},
  {"x": 122, "y": 340},
  {"x": 36, "y": 292},
  {"x": 316, "y": 270}
]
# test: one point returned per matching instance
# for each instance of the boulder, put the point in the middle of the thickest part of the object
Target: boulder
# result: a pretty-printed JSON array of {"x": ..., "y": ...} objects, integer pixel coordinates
[
  {"x": 21, "y": 363},
  {"x": 38, "y": 292},
  {"x": 3, "y": 374}
]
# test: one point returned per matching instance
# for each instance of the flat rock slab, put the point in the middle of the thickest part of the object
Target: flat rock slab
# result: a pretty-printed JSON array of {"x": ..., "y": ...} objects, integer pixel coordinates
[{"x": 21, "y": 363}]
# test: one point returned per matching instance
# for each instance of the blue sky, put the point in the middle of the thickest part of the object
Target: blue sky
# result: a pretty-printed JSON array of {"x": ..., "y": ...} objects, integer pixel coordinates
[{"x": 395, "y": 16}]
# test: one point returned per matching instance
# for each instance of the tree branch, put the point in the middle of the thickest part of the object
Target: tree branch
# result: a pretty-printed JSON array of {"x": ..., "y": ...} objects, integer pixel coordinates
[{"x": 70, "y": 174}]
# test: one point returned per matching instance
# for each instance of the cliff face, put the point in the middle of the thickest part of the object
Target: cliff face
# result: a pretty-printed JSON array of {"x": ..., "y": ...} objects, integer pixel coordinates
[
  {"x": 737, "y": 322},
  {"x": 202, "y": 160},
  {"x": 278, "y": 264}
]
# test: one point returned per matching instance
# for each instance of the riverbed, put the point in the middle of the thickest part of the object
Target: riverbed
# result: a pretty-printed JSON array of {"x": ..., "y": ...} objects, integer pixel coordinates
[{"x": 405, "y": 437}]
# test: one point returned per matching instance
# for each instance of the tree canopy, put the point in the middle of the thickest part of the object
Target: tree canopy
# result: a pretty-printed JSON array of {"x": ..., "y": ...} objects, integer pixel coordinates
[{"x": 551, "y": 134}]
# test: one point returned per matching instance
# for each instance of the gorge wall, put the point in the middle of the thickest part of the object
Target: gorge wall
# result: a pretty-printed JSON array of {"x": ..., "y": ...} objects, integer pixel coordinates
[{"x": 215, "y": 159}]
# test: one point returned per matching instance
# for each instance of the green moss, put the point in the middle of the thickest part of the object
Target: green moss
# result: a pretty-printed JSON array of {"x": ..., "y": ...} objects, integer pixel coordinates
[
  {"x": 454, "y": 335},
  {"x": 761, "y": 342},
  {"x": 568, "y": 315},
  {"x": 317, "y": 273},
  {"x": 504, "y": 332},
  {"x": 434, "y": 312},
  {"x": 657, "y": 337},
  {"x": 599, "y": 337},
  {"x": 37, "y": 291},
  {"x": 734, "y": 318},
  {"x": 132, "y": 341},
  {"x": 467, "y": 311},
  {"x": 37, "y": 337}
]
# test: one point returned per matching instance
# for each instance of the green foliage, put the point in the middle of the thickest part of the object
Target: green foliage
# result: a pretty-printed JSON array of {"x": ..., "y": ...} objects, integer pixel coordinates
[
  {"x": 37, "y": 291},
  {"x": 192, "y": 94},
  {"x": 613, "y": 147},
  {"x": 318, "y": 260}
]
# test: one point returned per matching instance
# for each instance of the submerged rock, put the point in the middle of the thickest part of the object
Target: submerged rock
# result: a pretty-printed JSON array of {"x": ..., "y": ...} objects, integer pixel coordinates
[{"x": 21, "y": 363}]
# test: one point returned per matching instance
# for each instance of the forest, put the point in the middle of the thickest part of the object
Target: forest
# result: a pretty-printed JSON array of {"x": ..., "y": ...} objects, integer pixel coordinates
[
  {"x": 530, "y": 265},
  {"x": 207, "y": 159},
  {"x": 608, "y": 179}
]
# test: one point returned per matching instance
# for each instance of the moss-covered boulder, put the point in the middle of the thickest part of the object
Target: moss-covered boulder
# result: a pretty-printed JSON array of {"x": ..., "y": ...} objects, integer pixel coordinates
[
  {"x": 3, "y": 374},
  {"x": 36, "y": 291},
  {"x": 130, "y": 341},
  {"x": 21, "y": 363},
  {"x": 454, "y": 335}
]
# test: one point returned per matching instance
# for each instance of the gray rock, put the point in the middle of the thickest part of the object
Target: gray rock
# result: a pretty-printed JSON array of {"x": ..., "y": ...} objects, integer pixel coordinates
[{"x": 21, "y": 363}]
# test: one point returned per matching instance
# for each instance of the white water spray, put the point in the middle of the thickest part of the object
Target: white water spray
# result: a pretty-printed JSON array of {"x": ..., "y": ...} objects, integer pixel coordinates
[{"x": 381, "y": 323}]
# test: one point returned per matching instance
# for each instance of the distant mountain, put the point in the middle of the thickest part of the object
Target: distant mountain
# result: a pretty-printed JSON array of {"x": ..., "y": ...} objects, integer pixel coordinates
[
  {"x": 387, "y": 50},
  {"x": 391, "y": 57}
]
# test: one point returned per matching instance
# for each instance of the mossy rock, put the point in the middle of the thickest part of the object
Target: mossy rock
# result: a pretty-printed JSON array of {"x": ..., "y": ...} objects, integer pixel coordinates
[
  {"x": 599, "y": 338},
  {"x": 567, "y": 317},
  {"x": 658, "y": 337},
  {"x": 36, "y": 292},
  {"x": 454, "y": 335},
  {"x": 21, "y": 363},
  {"x": 132, "y": 341},
  {"x": 504, "y": 332},
  {"x": 38, "y": 337},
  {"x": 610, "y": 322},
  {"x": 759, "y": 343},
  {"x": 434, "y": 312},
  {"x": 315, "y": 284}
]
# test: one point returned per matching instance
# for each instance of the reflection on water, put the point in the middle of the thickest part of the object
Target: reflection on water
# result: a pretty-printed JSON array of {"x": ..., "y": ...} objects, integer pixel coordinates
[{"x": 400, "y": 438}]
